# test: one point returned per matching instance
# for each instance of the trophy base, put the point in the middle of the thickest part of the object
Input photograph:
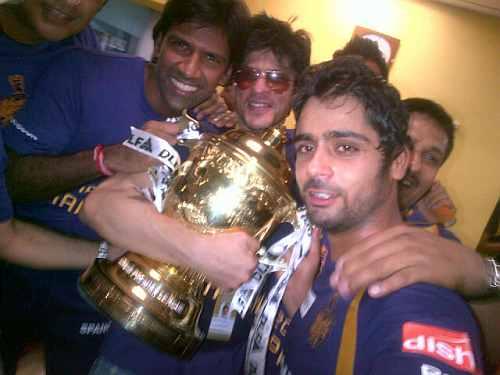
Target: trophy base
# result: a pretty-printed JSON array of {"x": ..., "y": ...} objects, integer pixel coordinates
[{"x": 99, "y": 290}]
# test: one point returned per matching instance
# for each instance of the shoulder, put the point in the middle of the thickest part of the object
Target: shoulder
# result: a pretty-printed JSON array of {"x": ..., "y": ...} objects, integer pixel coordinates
[
  {"x": 86, "y": 38},
  {"x": 419, "y": 326},
  {"x": 78, "y": 56},
  {"x": 420, "y": 300}
]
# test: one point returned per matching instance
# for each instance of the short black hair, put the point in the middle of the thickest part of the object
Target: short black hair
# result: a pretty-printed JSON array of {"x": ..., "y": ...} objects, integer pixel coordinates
[
  {"x": 231, "y": 16},
  {"x": 367, "y": 49},
  {"x": 348, "y": 76},
  {"x": 436, "y": 112},
  {"x": 269, "y": 33}
]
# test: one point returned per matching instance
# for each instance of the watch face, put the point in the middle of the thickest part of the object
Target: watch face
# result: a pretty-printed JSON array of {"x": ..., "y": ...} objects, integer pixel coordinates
[{"x": 383, "y": 45}]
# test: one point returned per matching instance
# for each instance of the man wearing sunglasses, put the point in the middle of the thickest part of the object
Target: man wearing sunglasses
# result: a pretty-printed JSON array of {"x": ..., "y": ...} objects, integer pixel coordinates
[{"x": 265, "y": 81}]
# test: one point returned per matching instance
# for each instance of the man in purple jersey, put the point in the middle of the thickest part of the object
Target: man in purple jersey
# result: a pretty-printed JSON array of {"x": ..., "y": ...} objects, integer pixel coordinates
[
  {"x": 32, "y": 33},
  {"x": 273, "y": 57},
  {"x": 352, "y": 150}
]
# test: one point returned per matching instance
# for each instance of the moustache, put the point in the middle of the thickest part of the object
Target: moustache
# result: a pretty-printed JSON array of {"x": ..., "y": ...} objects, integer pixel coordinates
[
  {"x": 318, "y": 183},
  {"x": 262, "y": 97}
]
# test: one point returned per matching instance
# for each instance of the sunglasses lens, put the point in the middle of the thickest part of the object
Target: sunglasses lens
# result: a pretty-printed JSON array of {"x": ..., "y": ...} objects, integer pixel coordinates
[
  {"x": 245, "y": 78},
  {"x": 277, "y": 81}
]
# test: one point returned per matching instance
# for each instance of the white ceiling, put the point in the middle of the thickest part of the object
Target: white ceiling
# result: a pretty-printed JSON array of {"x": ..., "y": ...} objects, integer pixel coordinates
[{"x": 491, "y": 7}]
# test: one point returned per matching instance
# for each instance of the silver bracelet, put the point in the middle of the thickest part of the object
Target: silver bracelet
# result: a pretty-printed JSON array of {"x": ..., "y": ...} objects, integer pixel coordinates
[
  {"x": 102, "y": 251},
  {"x": 493, "y": 274}
]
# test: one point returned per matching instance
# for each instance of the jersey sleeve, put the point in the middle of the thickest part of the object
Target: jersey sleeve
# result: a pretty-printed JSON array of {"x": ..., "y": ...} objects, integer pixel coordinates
[
  {"x": 423, "y": 330},
  {"x": 48, "y": 121},
  {"x": 6, "y": 212}
]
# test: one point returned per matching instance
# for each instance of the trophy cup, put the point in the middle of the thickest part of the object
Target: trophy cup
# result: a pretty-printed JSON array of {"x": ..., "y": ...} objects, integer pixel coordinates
[{"x": 237, "y": 180}]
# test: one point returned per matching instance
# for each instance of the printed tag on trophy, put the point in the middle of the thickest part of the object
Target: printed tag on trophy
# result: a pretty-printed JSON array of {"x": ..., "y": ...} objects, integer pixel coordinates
[
  {"x": 223, "y": 318},
  {"x": 154, "y": 147}
]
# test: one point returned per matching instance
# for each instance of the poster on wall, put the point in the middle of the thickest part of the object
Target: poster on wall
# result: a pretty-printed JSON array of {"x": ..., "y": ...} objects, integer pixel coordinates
[{"x": 387, "y": 44}]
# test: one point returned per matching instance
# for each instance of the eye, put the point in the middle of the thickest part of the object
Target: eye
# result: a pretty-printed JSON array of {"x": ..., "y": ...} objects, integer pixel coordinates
[
  {"x": 304, "y": 148},
  {"x": 345, "y": 149},
  {"x": 180, "y": 46},
  {"x": 432, "y": 159},
  {"x": 213, "y": 59}
]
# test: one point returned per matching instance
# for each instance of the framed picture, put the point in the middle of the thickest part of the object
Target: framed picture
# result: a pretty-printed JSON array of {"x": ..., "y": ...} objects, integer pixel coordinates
[
  {"x": 387, "y": 44},
  {"x": 490, "y": 239}
]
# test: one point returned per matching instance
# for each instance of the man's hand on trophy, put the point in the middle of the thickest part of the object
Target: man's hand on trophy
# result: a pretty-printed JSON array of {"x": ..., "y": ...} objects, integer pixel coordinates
[
  {"x": 165, "y": 131},
  {"x": 215, "y": 111},
  {"x": 302, "y": 279},
  {"x": 228, "y": 259},
  {"x": 119, "y": 158}
]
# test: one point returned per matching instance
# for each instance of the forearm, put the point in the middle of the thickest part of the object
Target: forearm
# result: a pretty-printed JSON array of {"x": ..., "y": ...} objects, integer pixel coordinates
[
  {"x": 29, "y": 245},
  {"x": 119, "y": 213},
  {"x": 31, "y": 178}
]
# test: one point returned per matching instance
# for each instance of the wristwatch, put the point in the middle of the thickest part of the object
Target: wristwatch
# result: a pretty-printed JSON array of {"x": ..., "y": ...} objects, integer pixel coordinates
[{"x": 493, "y": 267}]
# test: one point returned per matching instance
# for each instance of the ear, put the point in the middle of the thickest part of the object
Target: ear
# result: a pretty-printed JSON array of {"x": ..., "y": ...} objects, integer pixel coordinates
[
  {"x": 157, "y": 48},
  {"x": 226, "y": 76},
  {"x": 400, "y": 164}
]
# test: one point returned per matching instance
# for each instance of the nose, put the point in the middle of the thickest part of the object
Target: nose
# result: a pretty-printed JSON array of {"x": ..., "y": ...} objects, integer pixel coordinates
[
  {"x": 416, "y": 162},
  {"x": 320, "y": 164},
  {"x": 260, "y": 84},
  {"x": 191, "y": 66},
  {"x": 73, "y": 2}
]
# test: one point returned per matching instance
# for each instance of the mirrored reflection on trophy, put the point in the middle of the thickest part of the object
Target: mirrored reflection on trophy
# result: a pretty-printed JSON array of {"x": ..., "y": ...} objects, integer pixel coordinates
[{"x": 235, "y": 180}]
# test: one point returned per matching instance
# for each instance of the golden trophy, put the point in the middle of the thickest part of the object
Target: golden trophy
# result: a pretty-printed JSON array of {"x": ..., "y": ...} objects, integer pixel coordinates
[{"x": 237, "y": 180}]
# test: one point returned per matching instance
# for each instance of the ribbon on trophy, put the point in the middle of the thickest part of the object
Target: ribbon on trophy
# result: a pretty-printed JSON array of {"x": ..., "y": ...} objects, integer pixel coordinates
[
  {"x": 157, "y": 148},
  {"x": 299, "y": 242}
]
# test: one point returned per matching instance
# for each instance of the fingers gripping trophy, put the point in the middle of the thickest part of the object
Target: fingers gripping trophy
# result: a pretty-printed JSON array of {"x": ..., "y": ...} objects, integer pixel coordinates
[{"x": 235, "y": 180}]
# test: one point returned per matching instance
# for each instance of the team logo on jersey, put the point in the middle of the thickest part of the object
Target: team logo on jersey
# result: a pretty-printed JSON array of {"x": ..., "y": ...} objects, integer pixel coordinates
[
  {"x": 324, "y": 322},
  {"x": 11, "y": 104},
  {"x": 450, "y": 347}
]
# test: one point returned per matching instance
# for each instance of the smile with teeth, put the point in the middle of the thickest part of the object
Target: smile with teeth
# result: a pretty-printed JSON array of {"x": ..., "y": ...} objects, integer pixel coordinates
[
  {"x": 259, "y": 105},
  {"x": 320, "y": 198},
  {"x": 183, "y": 86},
  {"x": 59, "y": 14}
]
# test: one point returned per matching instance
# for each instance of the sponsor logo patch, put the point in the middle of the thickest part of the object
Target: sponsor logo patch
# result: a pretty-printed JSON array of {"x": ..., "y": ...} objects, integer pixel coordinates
[{"x": 451, "y": 347}]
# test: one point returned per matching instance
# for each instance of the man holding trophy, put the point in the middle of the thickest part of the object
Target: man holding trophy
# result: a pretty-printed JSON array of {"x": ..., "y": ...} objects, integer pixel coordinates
[{"x": 273, "y": 57}]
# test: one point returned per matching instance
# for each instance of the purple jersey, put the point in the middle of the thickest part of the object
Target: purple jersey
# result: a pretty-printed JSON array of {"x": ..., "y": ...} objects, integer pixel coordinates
[
  {"x": 22, "y": 65},
  {"x": 415, "y": 218},
  {"x": 421, "y": 329},
  {"x": 85, "y": 98},
  {"x": 5, "y": 204}
]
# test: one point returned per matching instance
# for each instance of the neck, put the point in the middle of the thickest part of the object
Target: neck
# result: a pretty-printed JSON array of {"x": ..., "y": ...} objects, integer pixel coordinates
[
  {"x": 383, "y": 218},
  {"x": 153, "y": 94},
  {"x": 13, "y": 23}
]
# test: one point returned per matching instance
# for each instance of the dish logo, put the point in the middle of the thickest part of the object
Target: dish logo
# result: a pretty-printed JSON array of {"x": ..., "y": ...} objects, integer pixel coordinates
[{"x": 450, "y": 347}]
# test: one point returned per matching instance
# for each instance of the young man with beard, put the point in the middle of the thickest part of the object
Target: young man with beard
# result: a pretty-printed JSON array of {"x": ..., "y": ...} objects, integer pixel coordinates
[
  {"x": 352, "y": 134},
  {"x": 273, "y": 56},
  {"x": 86, "y": 102}
]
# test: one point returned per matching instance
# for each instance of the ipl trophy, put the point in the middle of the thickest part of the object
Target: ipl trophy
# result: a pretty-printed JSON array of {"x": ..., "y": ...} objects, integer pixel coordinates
[{"x": 237, "y": 180}]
